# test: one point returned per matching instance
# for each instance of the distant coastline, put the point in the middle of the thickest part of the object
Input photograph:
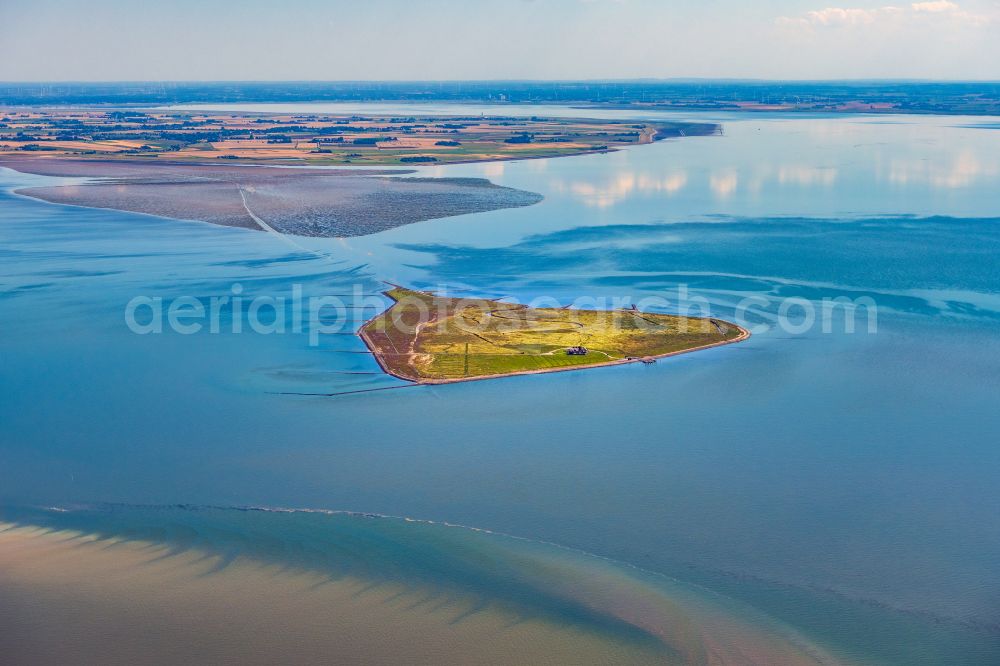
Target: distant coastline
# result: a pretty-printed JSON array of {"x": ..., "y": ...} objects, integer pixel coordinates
[
  {"x": 886, "y": 96},
  {"x": 196, "y": 166}
]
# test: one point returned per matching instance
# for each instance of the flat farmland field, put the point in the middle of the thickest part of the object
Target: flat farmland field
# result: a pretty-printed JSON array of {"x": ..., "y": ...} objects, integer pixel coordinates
[{"x": 315, "y": 139}]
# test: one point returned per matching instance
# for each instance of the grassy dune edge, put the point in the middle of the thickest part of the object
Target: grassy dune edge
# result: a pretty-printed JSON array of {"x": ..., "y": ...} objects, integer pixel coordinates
[{"x": 432, "y": 339}]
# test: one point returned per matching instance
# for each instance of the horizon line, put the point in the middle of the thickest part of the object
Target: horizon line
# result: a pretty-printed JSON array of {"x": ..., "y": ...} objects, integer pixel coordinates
[{"x": 498, "y": 80}]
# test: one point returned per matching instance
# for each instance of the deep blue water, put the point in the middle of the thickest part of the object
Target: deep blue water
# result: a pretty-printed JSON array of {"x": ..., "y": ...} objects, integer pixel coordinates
[{"x": 845, "y": 483}]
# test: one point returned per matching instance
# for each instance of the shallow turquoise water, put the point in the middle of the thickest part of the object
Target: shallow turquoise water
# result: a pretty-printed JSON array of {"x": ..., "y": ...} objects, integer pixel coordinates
[{"x": 843, "y": 483}]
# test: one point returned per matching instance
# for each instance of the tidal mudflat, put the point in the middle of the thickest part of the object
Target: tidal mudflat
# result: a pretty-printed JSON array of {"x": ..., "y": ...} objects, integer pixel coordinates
[
  {"x": 301, "y": 202},
  {"x": 120, "y": 585}
]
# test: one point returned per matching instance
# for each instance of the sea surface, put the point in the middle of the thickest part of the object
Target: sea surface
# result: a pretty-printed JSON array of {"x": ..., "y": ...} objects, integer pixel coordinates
[{"x": 841, "y": 484}]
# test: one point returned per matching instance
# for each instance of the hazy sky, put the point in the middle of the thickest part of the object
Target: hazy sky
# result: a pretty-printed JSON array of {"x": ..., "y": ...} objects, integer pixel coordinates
[{"x": 490, "y": 39}]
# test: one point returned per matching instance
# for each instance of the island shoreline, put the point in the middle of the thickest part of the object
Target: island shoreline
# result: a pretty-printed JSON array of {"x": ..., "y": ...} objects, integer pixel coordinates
[{"x": 369, "y": 343}]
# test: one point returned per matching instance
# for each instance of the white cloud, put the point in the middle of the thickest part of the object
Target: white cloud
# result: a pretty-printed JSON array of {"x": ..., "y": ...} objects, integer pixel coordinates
[
  {"x": 936, "y": 6},
  {"x": 724, "y": 183},
  {"x": 850, "y": 16},
  {"x": 839, "y": 16},
  {"x": 964, "y": 170},
  {"x": 807, "y": 176}
]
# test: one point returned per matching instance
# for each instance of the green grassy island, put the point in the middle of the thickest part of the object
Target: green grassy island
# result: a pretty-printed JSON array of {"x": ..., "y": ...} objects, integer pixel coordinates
[{"x": 432, "y": 339}]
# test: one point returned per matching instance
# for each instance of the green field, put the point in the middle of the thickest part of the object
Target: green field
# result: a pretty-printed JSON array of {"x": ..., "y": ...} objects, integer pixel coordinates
[
  {"x": 427, "y": 338},
  {"x": 262, "y": 138}
]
